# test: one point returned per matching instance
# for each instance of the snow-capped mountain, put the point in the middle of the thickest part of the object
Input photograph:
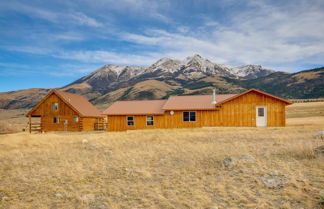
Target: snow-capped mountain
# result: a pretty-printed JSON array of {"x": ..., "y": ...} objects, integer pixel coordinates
[
  {"x": 166, "y": 77},
  {"x": 191, "y": 68}
]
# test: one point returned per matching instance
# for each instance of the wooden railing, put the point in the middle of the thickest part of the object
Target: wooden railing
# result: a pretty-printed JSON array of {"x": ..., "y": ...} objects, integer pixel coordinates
[
  {"x": 101, "y": 126},
  {"x": 35, "y": 127}
]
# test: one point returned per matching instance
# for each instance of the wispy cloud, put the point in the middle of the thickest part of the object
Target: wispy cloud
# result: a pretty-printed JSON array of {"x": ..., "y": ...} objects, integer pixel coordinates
[
  {"x": 105, "y": 57},
  {"x": 280, "y": 35},
  {"x": 57, "y": 17},
  {"x": 83, "y": 19},
  {"x": 265, "y": 34}
]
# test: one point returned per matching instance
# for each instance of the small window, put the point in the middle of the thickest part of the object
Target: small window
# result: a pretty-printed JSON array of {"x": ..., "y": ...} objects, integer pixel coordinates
[
  {"x": 56, "y": 120},
  {"x": 189, "y": 116},
  {"x": 150, "y": 120},
  {"x": 55, "y": 106},
  {"x": 76, "y": 119},
  {"x": 261, "y": 112},
  {"x": 130, "y": 120}
]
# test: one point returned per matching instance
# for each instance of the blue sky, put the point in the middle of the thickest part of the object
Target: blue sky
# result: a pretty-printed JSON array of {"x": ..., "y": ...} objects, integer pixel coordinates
[{"x": 51, "y": 43}]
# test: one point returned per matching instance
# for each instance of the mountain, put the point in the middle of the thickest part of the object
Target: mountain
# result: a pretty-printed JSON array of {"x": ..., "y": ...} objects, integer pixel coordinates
[
  {"x": 193, "y": 75},
  {"x": 111, "y": 77},
  {"x": 305, "y": 84}
]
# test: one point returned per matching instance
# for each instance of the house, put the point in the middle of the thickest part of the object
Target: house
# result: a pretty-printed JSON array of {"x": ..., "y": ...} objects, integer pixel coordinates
[
  {"x": 252, "y": 108},
  {"x": 62, "y": 111}
]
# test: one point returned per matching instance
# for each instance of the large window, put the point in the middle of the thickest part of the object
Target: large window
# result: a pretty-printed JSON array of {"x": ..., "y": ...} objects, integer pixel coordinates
[
  {"x": 150, "y": 120},
  {"x": 55, "y": 106},
  {"x": 56, "y": 120},
  {"x": 130, "y": 120},
  {"x": 189, "y": 116}
]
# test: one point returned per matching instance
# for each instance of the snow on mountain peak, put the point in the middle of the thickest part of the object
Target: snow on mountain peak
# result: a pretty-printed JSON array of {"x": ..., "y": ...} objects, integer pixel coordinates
[
  {"x": 161, "y": 61},
  {"x": 191, "y": 67}
]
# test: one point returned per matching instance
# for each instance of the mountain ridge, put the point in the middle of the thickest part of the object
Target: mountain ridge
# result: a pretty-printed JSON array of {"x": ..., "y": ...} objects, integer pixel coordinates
[{"x": 165, "y": 77}]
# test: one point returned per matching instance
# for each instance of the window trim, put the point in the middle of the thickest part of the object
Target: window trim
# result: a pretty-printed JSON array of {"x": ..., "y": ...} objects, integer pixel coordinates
[
  {"x": 76, "y": 119},
  {"x": 189, "y": 116},
  {"x": 263, "y": 111},
  {"x": 150, "y": 120},
  {"x": 132, "y": 120},
  {"x": 57, "y": 120},
  {"x": 57, "y": 106}
]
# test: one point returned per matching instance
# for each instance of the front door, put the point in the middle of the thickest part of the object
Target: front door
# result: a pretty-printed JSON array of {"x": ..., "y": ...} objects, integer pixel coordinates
[{"x": 261, "y": 116}]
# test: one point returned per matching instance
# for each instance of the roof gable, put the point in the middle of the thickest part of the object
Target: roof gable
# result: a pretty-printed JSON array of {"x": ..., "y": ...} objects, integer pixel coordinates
[
  {"x": 77, "y": 102},
  {"x": 254, "y": 90}
]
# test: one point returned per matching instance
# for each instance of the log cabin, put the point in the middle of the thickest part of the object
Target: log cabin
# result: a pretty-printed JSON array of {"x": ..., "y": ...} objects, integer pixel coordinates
[
  {"x": 252, "y": 108},
  {"x": 63, "y": 111}
]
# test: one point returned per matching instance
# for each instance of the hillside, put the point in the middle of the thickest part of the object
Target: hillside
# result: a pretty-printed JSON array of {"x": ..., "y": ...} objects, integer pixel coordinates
[
  {"x": 305, "y": 84},
  {"x": 194, "y": 75}
]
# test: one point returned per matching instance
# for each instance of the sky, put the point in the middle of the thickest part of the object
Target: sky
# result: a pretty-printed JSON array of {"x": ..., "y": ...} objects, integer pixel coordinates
[{"x": 45, "y": 43}]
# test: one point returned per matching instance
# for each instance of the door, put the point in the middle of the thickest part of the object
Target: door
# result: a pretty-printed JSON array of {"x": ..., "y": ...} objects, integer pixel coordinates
[{"x": 261, "y": 116}]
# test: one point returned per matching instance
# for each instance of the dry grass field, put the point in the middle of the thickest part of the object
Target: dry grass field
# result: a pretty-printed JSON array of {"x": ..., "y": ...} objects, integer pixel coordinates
[{"x": 181, "y": 168}]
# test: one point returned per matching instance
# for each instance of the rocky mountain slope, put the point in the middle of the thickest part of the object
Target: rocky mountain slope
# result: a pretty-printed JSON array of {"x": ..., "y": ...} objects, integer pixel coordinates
[{"x": 194, "y": 75}]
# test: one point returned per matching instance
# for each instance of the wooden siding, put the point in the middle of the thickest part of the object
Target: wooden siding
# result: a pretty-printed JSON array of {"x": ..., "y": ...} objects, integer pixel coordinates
[
  {"x": 88, "y": 123},
  {"x": 240, "y": 111},
  {"x": 64, "y": 112}
]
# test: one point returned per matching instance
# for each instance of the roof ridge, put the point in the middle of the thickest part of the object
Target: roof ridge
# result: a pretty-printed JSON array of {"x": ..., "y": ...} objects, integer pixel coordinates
[
  {"x": 198, "y": 95},
  {"x": 142, "y": 100}
]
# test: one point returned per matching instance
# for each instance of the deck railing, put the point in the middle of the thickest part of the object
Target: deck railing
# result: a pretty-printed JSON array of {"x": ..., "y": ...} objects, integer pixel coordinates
[
  {"x": 35, "y": 127},
  {"x": 101, "y": 126}
]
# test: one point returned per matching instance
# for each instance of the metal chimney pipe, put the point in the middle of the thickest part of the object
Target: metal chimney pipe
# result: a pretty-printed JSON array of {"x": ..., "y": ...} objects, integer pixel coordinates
[{"x": 214, "y": 97}]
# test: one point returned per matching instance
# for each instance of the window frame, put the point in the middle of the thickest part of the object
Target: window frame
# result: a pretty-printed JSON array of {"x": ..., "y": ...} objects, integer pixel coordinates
[
  {"x": 76, "y": 119},
  {"x": 130, "y": 120},
  {"x": 56, "y": 105},
  {"x": 189, "y": 112},
  {"x": 56, "y": 120},
  {"x": 150, "y": 120},
  {"x": 263, "y": 111}
]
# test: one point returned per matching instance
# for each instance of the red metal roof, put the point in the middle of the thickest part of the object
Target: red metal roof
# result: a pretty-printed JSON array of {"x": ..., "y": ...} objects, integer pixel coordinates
[
  {"x": 142, "y": 107},
  {"x": 191, "y": 102},
  {"x": 194, "y": 102},
  {"x": 79, "y": 103}
]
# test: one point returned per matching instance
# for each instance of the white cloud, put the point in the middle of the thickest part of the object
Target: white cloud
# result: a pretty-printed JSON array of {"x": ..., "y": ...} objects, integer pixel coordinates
[
  {"x": 265, "y": 34},
  {"x": 53, "y": 16},
  {"x": 83, "y": 19},
  {"x": 105, "y": 57},
  {"x": 281, "y": 35}
]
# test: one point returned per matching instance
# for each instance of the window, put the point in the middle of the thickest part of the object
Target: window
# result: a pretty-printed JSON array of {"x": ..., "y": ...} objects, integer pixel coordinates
[
  {"x": 150, "y": 120},
  {"x": 55, "y": 106},
  {"x": 189, "y": 116},
  {"x": 56, "y": 120},
  {"x": 261, "y": 112},
  {"x": 76, "y": 119},
  {"x": 130, "y": 120}
]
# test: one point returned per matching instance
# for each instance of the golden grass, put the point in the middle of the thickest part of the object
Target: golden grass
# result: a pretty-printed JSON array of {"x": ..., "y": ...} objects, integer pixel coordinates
[
  {"x": 13, "y": 120},
  {"x": 163, "y": 168},
  {"x": 301, "y": 110}
]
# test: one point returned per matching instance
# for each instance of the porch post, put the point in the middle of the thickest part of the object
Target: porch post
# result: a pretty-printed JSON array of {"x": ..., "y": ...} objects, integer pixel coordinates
[{"x": 29, "y": 123}]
